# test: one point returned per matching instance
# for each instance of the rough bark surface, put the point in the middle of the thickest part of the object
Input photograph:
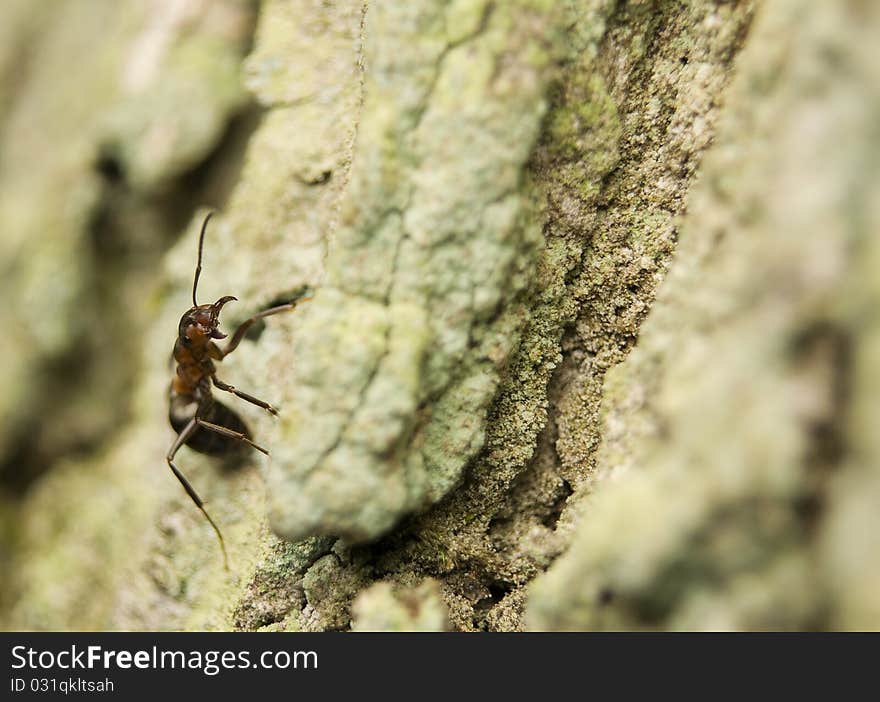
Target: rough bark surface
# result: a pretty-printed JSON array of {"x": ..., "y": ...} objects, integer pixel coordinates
[{"x": 488, "y": 422}]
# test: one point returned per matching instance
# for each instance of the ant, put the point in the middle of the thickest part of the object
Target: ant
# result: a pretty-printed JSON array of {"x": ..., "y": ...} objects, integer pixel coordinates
[{"x": 201, "y": 422}]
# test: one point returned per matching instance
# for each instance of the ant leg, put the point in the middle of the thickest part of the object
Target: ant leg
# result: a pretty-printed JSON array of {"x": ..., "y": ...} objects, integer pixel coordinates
[
  {"x": 245, "y": 325},
  {"x": 244, "y": 396},
  {"x": 224, "y": 431},
  {"x": 182, "y": 438}
]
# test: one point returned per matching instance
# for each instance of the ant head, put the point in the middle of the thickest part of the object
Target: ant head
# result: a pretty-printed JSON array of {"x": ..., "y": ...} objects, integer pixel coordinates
[{"x": 201, "y": 322}]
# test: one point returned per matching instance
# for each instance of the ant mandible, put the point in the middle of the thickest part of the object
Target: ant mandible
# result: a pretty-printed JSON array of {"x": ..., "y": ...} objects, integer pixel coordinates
[{"x": 201, "y": 422}]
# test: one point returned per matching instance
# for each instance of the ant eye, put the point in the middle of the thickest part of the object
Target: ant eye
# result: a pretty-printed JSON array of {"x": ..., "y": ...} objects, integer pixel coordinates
[{"x": 205, "y": 425}]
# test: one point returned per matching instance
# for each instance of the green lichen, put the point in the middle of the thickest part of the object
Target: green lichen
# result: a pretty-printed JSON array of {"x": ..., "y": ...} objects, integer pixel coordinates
[
  {"x": 80, "y": 245},
  {"x": 106, "y": 507},
  {"x": 384, "y": 607},
  {"x": 174, "y": 112},
  {"x": 275, "y": 589},
  {"x": 728, "y": 431},
  {"x": 481, "y": 258},
  {"x": 420, "y": 303}
]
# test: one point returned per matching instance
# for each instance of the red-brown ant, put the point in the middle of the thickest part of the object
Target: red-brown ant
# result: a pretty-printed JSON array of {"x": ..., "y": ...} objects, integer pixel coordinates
[{"x": 201, "y": 422}]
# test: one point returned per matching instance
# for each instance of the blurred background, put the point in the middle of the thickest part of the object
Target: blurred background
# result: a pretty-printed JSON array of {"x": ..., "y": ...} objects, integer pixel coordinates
[{"x": 118, "y": 120}]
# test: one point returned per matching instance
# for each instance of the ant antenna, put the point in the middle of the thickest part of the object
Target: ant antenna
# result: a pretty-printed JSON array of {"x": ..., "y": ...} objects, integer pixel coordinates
[{"x": 199, "y": 264}]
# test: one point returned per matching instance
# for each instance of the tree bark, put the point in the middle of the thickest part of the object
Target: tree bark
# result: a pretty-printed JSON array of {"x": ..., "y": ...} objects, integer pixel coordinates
[{"x": 592, "y": 340}]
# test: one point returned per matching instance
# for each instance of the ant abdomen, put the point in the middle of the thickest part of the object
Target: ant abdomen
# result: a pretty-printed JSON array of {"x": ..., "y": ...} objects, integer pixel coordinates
[
  {"x": 181, "y": 411},
  {"x": 202, "y": 423}
]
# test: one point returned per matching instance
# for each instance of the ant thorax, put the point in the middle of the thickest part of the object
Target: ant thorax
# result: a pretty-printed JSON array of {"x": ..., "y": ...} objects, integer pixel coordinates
[{"x": 201, "y": 422}]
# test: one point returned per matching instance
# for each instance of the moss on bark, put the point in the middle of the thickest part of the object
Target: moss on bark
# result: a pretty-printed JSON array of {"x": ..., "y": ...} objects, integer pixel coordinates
[{"x": 483, "y": 198}]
